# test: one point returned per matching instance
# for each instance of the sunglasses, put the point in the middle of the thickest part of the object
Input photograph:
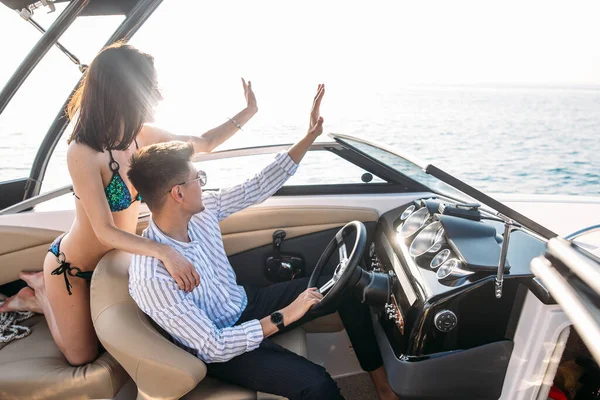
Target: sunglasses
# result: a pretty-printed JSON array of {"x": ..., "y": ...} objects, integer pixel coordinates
[{"x": 201, "y": 177}]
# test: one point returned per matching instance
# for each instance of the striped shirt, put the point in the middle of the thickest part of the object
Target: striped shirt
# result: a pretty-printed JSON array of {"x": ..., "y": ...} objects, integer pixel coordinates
[{"x": 202, "y": 321}]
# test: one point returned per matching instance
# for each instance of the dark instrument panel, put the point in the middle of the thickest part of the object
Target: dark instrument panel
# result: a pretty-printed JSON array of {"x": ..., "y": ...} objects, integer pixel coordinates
[{"x": 444, "y": 305}]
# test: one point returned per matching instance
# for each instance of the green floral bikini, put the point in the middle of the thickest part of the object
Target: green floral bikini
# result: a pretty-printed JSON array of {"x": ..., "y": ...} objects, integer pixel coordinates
[
  {"x": 117, "y": 193},
  {"x": 119, "y": 198}
]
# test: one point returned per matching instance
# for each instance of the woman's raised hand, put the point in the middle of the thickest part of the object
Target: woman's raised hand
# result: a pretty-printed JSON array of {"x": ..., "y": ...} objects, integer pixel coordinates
[
  {"x": 316, "y": 121},
  {"x": 249, "y": 95},
  {"x": 181, "y": 270}
]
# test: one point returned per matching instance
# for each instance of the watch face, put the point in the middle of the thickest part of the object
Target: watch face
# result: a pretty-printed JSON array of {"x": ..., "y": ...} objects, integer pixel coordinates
[{"x": 277, "y": 318}]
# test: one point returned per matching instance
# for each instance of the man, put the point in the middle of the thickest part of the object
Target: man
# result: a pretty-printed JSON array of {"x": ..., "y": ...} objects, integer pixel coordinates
[{"x": 222, "y": 323}]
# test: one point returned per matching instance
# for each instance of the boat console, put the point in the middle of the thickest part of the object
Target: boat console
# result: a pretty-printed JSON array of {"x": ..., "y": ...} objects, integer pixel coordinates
[{"x": 446, "y": 325}]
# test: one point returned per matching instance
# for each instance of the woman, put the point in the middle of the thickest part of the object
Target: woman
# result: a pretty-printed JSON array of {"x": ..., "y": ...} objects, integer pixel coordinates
[{"x": 115, "y": 99}]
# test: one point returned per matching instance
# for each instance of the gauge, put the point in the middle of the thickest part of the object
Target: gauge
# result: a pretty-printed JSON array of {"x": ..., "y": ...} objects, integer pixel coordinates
[
  {"x": 429, "y": 240},
  {"x": 439, "y": 241},
  {"x": 407, "y": 212},
  {"x": 439, "y": 259},
  {"x": 414, "y": 222},
  {"x": 452, "y": 269}
]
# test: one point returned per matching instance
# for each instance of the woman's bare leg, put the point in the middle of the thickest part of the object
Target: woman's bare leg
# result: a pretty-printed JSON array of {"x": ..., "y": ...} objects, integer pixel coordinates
[
  {"x": 35, "y": 280},
  {"x": 68, "y": 316}
]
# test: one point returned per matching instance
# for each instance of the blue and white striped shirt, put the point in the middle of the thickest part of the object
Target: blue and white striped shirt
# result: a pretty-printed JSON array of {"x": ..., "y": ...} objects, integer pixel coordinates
[{"x": 202, "y": 321}]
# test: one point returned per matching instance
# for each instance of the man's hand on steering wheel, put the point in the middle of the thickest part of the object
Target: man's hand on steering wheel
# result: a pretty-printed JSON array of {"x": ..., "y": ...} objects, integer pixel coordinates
[{"x": 301, "y": 305}]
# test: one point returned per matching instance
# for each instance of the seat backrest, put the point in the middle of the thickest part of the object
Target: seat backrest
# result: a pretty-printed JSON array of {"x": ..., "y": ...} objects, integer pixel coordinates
[{"x": 158, "y": 367}]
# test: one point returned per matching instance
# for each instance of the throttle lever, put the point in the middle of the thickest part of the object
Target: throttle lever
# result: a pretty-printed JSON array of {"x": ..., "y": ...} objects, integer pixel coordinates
[
  {"x": 278, "y": 237},
  {"x": 283, "y": 266}
]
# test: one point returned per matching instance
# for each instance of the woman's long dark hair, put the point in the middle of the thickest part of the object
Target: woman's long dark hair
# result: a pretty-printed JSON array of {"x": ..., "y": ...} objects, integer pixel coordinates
[{"x": 113, "y": 99}]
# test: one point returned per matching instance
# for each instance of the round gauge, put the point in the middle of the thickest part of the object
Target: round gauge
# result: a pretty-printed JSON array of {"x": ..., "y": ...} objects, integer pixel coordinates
[
  {"x": 439, "y": 259},
  {"x": 414, "y": 222},
  {"x": 407, "y": 212},
  {"x": 447, "y": 267},
  {"x": 429, "y": 240},
  {"x": 438, "y": 241}
]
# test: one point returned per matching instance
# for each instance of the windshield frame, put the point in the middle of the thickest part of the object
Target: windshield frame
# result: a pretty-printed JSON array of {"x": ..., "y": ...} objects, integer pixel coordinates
[
  {"x": 446, "y": 178},
  {"x": 411, "y": 159}
]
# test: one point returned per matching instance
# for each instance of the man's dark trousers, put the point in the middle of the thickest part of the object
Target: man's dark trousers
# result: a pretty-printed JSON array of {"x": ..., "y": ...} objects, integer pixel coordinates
[{"x": 273, "y": 369}]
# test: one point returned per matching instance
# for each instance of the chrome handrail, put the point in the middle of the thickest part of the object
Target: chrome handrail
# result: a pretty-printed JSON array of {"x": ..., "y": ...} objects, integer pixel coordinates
[
  {"x": 579, "y": 310},
  {"x": 256, "y": 150},
  {"x": 34, "y": 201},
  {"x": 583, "y": 231},
  {"x": 578, "y": 263}
]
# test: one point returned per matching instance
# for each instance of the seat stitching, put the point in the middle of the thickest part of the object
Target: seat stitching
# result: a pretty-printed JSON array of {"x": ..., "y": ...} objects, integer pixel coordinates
[
  {"x": 137, "y": 367},
  {"x": 112, "y": 382}
]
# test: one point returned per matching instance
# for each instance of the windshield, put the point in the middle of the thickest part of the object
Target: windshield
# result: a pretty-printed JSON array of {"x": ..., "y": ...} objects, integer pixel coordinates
[
  {"x": 415, "y": 170},
  {"x": 407, "y": 166}
]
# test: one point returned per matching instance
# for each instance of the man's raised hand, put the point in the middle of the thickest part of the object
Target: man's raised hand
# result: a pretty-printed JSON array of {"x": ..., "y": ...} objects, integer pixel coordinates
[{"x": 316, "y": 121}]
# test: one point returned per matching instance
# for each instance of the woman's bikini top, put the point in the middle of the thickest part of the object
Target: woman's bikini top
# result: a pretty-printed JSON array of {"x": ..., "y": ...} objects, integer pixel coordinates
[{"x": 117, "y": 194}]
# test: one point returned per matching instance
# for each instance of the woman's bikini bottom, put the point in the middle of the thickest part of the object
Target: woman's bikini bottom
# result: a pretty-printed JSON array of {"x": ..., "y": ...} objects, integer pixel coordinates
[{"x": 64, "y": 268}]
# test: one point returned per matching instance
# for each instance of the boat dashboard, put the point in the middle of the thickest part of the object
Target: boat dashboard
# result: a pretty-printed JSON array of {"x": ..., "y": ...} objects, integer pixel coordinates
[{"x": 444, "y": 317}]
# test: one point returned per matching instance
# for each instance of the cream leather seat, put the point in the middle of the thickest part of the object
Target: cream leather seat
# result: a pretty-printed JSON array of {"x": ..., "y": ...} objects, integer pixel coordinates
[
  {"x": 34, "y": 368},
  {"x": 158, "y": 367}
]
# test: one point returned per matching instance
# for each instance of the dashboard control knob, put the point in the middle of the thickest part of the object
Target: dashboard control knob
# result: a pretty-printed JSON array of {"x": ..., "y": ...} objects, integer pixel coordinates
[{"x": 445, "y": 321}]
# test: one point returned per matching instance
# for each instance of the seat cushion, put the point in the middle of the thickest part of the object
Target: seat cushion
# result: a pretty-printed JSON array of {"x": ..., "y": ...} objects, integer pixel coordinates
[
  {"x": 158, "y": 367},
  {"x": 214, "y": 389},
  {"x": 34, "y": 368}
]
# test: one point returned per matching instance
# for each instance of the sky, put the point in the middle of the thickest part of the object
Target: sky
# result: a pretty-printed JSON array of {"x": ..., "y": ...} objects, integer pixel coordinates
[
  {"x": 361, "y": 50},
  {"x": 427, "y": 42},
  {"x": 203, "y": 48}
]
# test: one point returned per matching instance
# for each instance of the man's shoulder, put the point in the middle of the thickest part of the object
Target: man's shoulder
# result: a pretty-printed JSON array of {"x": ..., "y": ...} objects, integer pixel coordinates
[
  {"x": 142, "y": 263},
  {"x": 204, "y": 216},
  {"x": 142, "y": 267}
]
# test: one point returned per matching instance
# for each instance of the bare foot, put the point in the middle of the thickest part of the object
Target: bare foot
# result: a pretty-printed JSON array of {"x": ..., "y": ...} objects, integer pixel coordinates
[
  {"x": 25, "y": 300},
  {"x": 34, "y": 280}
]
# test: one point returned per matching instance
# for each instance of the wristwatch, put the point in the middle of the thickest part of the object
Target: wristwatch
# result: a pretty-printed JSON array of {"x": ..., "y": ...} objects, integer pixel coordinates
[{"x": 277, "y": 320}]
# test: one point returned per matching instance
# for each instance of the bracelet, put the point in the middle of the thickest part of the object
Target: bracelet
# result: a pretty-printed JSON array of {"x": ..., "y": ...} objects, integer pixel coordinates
[{"x": 235, "y": 123}]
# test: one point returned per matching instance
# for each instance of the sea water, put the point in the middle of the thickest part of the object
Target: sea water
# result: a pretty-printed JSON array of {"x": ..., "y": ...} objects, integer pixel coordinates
[{"x": 525, "y": 140}]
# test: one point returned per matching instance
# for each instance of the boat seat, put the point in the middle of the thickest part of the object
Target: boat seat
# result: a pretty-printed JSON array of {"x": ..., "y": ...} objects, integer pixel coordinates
[
  {"x": 34, "y": 368},
  {"x": 159, "y": 368}
]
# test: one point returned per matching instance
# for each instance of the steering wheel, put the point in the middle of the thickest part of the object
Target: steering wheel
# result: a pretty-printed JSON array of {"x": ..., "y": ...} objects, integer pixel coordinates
[{"x": 344, "y": 273}]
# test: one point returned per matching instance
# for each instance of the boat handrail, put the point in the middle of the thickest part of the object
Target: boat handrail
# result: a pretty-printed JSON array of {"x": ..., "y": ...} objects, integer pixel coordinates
[
  {"x": 256, "y": 150},
  {"x": 584, "y": 231},
  {"x": 579, "y": 308},
  {"x": 34, "y": 201}
]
